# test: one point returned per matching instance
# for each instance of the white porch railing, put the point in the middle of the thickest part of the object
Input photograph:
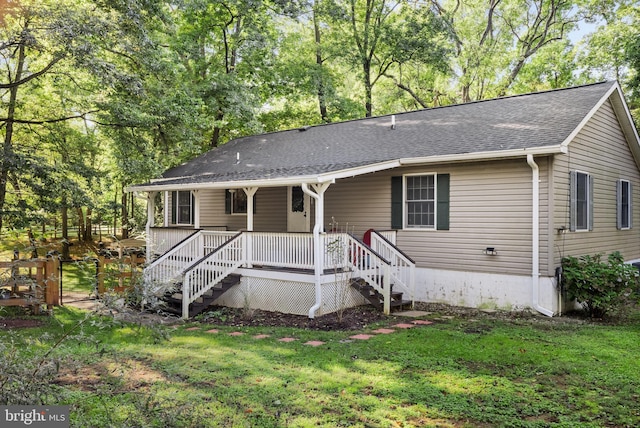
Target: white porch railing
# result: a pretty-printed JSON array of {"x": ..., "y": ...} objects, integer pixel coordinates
[
  {"x": 211, "y": 269},
  {"x": 162, "y": 239},
  {"x": 288, "y": 250},
  {"x": 206, "y": 257},
  {"x": 169, "y": 266},
  {"x": 403, "y": 268}
]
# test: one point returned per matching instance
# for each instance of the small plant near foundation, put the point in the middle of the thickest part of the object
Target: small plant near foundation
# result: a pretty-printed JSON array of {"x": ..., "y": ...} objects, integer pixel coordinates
[
  {"x": 599, "y": 286},
  {"x": 337, "y": 254}
]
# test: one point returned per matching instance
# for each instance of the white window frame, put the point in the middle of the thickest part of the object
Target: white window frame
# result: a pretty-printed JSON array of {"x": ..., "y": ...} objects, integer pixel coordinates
[
  {"x": 587, "y": 204},
  {"x": 621, "y": 192},
  {"x": 235, "y": 192},
  {"x": 406, "y": 201},
  {"x": 177, "y": 208}
]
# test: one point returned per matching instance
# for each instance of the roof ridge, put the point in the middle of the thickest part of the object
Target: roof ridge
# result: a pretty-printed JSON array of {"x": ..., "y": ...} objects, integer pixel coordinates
[{"x": 545, "y": 91}]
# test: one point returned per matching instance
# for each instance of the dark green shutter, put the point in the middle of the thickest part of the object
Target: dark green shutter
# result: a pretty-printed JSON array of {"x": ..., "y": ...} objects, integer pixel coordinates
[
  {"x": 442, "y": 222},
  {"x": 227, "y": 201},
  {"x": 590, "y": 202},
  {"x": 396, "y": 203},
  {"x": 193, "y": 208},
  {"x": 174, "y": 207},
  {"x": 573, "y": 204}
]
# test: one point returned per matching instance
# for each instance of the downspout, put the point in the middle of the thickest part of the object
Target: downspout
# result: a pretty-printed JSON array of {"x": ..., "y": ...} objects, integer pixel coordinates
[
  {"x": 535, "y": 239},
  {"x": 317, "y": 243}
]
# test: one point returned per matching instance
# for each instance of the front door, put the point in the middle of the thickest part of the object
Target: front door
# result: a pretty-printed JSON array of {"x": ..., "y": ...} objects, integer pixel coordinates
[{"x": 298, "y": 211}]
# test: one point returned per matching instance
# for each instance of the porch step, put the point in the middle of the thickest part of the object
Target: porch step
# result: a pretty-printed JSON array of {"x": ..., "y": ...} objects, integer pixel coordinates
[
  {"x": 376, "y": 298},
  {"x": 174, "y": 300}
]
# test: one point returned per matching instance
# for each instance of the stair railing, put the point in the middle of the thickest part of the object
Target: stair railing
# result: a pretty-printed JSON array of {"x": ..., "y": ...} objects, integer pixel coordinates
[
  {"x": 169, "y": 266},
  {"x": 403, "y": 268},
  {"x": 211, "y": 269},
  {"x": 367, "y": 264}
]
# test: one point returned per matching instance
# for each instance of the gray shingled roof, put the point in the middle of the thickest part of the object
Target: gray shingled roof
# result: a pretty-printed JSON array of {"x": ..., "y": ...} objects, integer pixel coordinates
[{"x": 519, "y": 122}]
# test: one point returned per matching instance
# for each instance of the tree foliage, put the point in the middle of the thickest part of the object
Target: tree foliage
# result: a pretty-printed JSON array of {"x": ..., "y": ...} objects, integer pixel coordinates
[{"x": 99, "y": 94}]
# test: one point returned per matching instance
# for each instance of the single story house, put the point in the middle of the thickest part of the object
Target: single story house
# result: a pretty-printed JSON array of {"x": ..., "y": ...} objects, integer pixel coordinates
[{"x": 472, "y": 204}]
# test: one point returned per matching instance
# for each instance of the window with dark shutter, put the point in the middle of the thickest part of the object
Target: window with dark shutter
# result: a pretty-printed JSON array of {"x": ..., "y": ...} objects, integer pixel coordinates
[{"x": 420, "y": 201}]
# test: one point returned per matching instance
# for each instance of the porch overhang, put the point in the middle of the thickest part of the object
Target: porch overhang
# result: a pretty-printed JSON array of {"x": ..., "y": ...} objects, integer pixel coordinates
[{"x": 200, "y": 182}]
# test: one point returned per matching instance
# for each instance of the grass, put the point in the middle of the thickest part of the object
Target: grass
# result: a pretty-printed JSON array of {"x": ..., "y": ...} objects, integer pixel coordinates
[{"x": 453, "y": 373}]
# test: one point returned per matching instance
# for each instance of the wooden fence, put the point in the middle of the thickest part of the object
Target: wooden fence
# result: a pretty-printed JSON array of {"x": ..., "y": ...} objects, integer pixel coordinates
[{"x": 30, "y": 283}]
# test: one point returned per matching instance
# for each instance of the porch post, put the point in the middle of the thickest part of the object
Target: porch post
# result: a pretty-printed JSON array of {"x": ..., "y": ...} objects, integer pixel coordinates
[
  {"x": 318, "y": 250},
  {"x": 151, "y": 209},
  {"x": 250, "y": 192},
  {"x": 196, "y": 209},
  {"x": 167, "y": 209}
]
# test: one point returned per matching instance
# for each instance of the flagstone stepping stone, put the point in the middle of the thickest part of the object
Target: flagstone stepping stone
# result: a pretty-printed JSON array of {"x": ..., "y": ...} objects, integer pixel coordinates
[
  {"x": 314, "y": 343},
  {"x": 422, "y": 322},
  {"x": 384, "y": 331},
  {"x": 192, "y": 329},
  {"x": 361, "y": 336},
  {"x": 402, "y": 325},
  {"x": 212, "y": 331},
  {"x": 287, "y": 339},
  {"x": 260, "y": 336},
  {"x": 236, "y": 333}
]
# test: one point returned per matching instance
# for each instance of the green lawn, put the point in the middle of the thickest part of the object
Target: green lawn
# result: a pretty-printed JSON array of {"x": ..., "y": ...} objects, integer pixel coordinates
[{"x": 480, "y": 372}]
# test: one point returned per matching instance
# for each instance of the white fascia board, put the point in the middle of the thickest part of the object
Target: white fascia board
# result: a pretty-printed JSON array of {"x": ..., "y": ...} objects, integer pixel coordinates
[
  {"x": 481, "y": 156},
  {"x": 589, "y": 115},
  {"x": 623, "y": 114}
]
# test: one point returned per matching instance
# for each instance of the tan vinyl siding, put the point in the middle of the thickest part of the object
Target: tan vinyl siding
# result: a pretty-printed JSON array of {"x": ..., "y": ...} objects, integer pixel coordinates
[
  {"x": 490, "y": 206},
  {"x": 270, "y": 215},
  {"x": 212, "y": 208},
  {"x": 601, "y": 150}
]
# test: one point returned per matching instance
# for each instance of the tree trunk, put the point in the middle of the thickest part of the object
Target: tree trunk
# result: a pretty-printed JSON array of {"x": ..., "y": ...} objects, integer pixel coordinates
[
  {"x": 80, "y": 224},
  {"x": 7, "y": 148},
  {"x": 65, "y": 230},
  {"x": 322, "y": 102},
  {"x": 88, "y": 226},
  {"x": 366, "y": 68},
  {"x": 125, "y": 216}
]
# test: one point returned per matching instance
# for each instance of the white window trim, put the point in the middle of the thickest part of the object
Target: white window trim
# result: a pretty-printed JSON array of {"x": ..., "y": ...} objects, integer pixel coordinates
[
  {"x": 588, "y": 213},
  {"x": 177, "y": 206},
  {"x": 629, "y": 204},
  {"x": 405, "y": 211},
  {"x": 233, "y": 193}
]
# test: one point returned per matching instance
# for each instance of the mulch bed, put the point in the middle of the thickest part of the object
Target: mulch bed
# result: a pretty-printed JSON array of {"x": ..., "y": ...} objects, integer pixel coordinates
[{"x": 352, "y": 319}]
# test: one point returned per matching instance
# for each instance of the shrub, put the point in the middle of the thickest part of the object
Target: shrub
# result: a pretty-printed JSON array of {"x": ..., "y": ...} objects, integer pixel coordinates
[{"x": 599, "y": 286}]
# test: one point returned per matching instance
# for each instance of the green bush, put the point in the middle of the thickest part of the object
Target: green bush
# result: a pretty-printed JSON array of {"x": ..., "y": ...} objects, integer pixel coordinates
[{"x": 599, "y": 286}]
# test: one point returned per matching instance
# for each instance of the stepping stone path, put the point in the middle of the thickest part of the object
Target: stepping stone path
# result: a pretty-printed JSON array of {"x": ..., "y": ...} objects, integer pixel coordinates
[{"x": 315, "y": 343}]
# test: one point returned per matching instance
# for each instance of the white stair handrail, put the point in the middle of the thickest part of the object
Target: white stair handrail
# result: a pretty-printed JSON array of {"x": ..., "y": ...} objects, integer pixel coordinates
[
  {"x": 363, "y": 262},
  {"x": 211, "y": 269},
  {"x": 402, "y": 267}
]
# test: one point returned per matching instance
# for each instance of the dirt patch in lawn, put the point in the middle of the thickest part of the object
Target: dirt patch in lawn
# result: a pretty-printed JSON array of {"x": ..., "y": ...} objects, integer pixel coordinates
[
  {"x": 15, "y": 323},
  {"x": 125, "y": 375}
]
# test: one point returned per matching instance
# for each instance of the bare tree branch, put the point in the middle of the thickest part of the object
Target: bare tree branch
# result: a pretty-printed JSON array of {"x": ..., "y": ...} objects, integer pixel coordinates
[
  {"x": 45, "y": 121},
  {"x": 31, "y": 76}
]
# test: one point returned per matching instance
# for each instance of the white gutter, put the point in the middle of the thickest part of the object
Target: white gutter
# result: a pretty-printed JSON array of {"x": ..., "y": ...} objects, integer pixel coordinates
[
  {"x": 478, "y": 156},
  {"x": 535, "y": 239}
]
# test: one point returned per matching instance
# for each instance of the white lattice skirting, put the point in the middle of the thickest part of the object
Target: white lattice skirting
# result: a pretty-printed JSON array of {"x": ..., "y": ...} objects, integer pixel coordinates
[{"x": 296, "y": 294}]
